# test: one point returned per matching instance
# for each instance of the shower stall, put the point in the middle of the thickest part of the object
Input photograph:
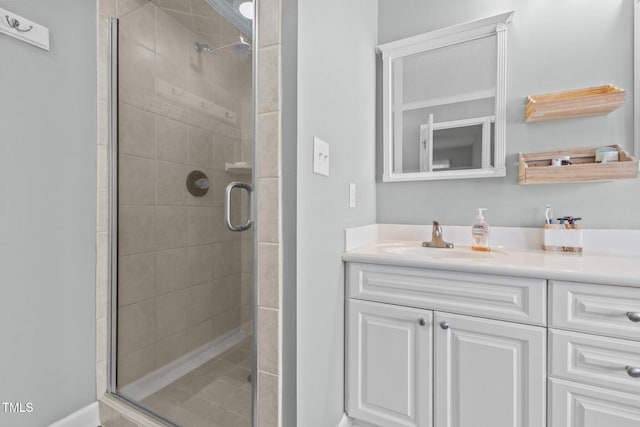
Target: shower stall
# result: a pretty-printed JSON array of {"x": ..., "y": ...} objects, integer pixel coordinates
[{"x": 182, "y": 243}]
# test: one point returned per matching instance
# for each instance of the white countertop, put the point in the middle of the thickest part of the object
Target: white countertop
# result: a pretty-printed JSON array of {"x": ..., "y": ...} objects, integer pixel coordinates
[{"x": 604, "y": 267}]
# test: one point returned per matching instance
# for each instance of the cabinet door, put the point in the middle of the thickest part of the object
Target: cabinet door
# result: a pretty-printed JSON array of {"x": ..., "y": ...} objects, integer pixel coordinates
[
  {"x": 389, "y": 356},
  {"x": 488, "y": 373},
  {"x": 579, "y": 405}
]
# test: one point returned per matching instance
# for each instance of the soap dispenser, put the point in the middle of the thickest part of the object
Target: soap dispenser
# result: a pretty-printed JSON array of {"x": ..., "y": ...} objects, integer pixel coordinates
[{"x": 480, "y": 233}]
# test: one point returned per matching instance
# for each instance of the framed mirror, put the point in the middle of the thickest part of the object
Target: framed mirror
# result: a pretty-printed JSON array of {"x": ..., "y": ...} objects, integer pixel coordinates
[{"x": 444, "y": 96}]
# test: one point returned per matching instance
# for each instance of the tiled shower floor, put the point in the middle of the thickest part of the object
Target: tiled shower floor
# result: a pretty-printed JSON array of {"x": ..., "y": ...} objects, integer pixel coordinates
[{"x": 216, "y": 394}]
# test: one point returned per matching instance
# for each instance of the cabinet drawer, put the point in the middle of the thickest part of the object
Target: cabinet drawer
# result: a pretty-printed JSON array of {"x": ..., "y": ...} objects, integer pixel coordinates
[
  {"x": 596, "y": 360},
  {"x": 498, "y": 297},
  {"x": 579, "y": 405},
  {"x": 595, "y": 309}
]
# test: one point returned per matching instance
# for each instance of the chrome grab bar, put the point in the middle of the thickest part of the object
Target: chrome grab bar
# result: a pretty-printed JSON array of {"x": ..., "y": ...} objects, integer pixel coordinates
[{"x": 227, "y": 208}]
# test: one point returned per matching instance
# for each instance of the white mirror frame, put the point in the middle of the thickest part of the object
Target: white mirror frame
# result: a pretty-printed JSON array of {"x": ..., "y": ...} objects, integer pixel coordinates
[{"x": 493, "y": 25}]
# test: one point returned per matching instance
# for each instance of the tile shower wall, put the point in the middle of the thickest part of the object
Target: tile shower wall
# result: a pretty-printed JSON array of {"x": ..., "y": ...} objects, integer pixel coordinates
[
  {"x": 184, "y": 279},
  {"x": 268, "y": 157}
]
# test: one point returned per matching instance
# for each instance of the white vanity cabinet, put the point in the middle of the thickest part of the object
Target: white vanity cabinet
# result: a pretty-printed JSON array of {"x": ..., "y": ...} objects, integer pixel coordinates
[
  {"x": 389, "y": 367},
  {"x": 594, "y": 357},
  {"x": 441, "y": 355}
]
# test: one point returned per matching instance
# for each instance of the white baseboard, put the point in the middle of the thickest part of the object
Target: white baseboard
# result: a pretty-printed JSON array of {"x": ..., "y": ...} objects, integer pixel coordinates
[
  {"x": 170, "y": 372},
  {"x": 89, "y": 416},
  {"x": 345, "y": 421}
]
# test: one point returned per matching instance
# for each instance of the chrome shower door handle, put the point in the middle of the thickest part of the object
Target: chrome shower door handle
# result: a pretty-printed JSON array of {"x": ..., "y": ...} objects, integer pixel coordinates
[{"x": 227, "y": 206}]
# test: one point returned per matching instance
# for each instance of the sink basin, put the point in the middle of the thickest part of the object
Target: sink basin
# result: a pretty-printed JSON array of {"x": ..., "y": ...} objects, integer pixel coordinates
[{"x": 455, "y": 253}]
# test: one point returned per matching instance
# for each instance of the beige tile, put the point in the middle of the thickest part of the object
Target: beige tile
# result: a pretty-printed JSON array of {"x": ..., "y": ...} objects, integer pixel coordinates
[
  {"x": 172, "y": 50},
  {"x": 226, "y": 321},
  {"x": 172, "y": 187},
  {"x": 269, "y": 17},
  {"x": 101, "y": 379},
  {"x": 103, "y": 120},
  {"x": 217, "y": 391},
  {"x": 171, "y": 227},
  {"x": 170, "y": 348},
  {"x": 207, "y": 25},
  {"x": 223, "y": 294},
  {"x": 239, "y": 402},
  {"x": 246, "y": 253},
  {"x": 135, "y": 365},
  {"x": 200, "y": 225},
  {"x": 199, "y": 334},
  {"x": 171, "y": 313},
  {"x": 200, "y": 65},
  {"x": 268, "y": 145},
  {"x": 136, "y": 181},
  {"x": 104, "y": 57},
  {"x": 246, "y": 151},
  {"x": 269, "y": 79},
  {"x": 102, "y": 274},
  {"x": 126, "y": 6},
  {"x": 267, "y": 400},
  {"x": 167, "y": 397},
  {"x": 228, "y": 97},
  {"x": 172, "y": 140},
  {"x": 136, "y": 132},
  {"x": 224, "y": 151},
  {"x": 171, "y": 270},
  {"x": 103, "y": 167},
  {"x": 269, "y": 274},
  {"x": 225, "y": 258},
  {"x": 246, "y": 289},
  {"x": 221, "y": 232},
  {"x": 179, "y": 5},
  {"x": 202, "y": 8},
  {"x": 185, "y": 19},
  {"x": 136, "y": 70},
  {"x": 139, "y": 25},
  {"x": 107, "y": 7},
  {"x": 220, "y": 181},
  {"x": 200, "y": 147},
  {"x": 200, "y": 264},
  {"x": 101, "y": 339},
  {"x": 136, "y": 327},
  {"x": 102, "y": 210},
  {"x": 268, "y": 342},
  {"x": 136, "y": 278},
  {"x": 200, "y": 303},
  {"x": 268, "y": 210},
  {"x": 136, "y": 231}
]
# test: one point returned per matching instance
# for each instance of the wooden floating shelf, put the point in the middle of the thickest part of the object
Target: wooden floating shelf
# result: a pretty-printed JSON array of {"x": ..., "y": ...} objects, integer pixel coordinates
[
  {"x": 574, "y": 103},
  {"x": 535, "y": 168}
]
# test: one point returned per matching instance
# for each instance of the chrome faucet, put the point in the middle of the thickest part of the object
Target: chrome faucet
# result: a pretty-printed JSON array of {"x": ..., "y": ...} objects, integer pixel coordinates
[{"x": 436, "y": 238}]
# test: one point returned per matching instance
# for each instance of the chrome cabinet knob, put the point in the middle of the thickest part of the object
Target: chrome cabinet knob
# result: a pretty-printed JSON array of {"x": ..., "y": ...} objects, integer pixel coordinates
[
  {"x": 633, "y": 372},
  {"x": 421, "y": 322},
  {"x": 444, "y": 325},
  {"x": 634, "y": 316}
]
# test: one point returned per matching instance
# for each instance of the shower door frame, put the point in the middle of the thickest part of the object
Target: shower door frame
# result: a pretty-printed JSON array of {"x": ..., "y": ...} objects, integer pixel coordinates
[{"x": 112, "y": 279}]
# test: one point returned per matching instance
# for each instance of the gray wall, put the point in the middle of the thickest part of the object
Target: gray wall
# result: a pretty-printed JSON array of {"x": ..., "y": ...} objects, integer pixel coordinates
[
  {"x": 336, "y": 102},
  {"x": 47, "y": 213},
  {"x": 552, "y": 46}
]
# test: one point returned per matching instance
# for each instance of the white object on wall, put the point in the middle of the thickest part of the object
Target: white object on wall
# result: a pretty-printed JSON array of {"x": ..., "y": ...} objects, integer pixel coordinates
[{"x": 22, "y": 29}]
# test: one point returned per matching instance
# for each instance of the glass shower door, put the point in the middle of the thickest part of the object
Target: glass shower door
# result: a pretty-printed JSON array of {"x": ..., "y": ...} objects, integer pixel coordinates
[{"x": 182, "y": 281}]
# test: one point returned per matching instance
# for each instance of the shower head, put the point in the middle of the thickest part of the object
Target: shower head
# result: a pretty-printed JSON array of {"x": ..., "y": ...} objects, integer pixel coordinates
[{"x": 242, "y": 47}]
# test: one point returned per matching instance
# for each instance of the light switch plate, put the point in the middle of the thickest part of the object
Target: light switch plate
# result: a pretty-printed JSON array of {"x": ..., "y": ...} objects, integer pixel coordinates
[{"x": 320, "y": 157}]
